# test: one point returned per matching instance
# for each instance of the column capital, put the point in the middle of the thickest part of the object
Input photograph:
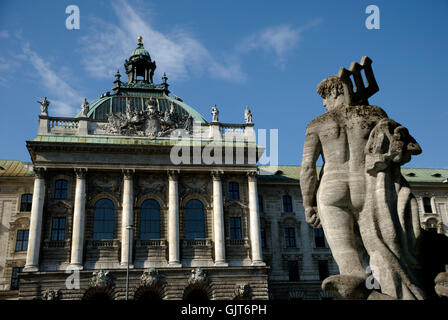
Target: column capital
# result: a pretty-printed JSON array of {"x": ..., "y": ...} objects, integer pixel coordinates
[
  {"x": 217, "y": 175},
  {"x": 128, "y": 173},
  {"x": 252, "y": 175},
  {"x": 80, "y": 173},
  {"x": 39, "y": 172},
  {"x": 173, "y": 175}
]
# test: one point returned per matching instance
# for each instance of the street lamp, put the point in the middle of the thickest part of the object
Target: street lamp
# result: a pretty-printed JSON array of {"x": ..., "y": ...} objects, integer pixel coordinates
[{"x": 129, "y": 228}]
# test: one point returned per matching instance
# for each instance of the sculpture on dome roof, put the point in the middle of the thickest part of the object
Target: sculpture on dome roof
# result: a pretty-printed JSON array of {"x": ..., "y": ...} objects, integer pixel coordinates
[{"x": 147, "y": 123}]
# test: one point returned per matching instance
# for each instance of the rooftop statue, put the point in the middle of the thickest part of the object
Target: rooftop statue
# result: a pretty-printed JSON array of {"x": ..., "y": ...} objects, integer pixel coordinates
[
  {"x": 215, "y": 114},
  {"x": 247, "y": 115},
  {"x": 364, "y": 204},
  {"x": 84, "y": 108},
  {"x": 44, "y": 106}
]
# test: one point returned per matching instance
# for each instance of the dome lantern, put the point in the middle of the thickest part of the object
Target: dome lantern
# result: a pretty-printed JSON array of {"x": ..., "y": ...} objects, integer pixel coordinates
[{"x": 140, "y": 67}]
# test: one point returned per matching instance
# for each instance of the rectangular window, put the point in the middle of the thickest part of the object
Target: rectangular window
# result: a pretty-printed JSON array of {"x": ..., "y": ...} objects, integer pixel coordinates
[
  {"x": 287, "y": 203},
  {"x": 293, "y": 270},
  {"x": 235, "y": 228},
  {"x": 26, "y": 202},
  {"x": 60, "y": 189},
  {"x": 15, "y": 278},
  {"x": 234, "y": 191},
  {"x": 263, "y": 238},
  {"x": 22, "y": 240},
  {"x": 323, "y": 269},
  {"x": 290, "y": 237},
  {"x": 319, "y": 238},
  {"x": 58, "y": 229}
]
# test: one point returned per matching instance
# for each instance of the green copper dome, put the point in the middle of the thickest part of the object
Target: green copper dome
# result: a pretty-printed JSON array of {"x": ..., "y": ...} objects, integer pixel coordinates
[{"x": 140, "y": 51}]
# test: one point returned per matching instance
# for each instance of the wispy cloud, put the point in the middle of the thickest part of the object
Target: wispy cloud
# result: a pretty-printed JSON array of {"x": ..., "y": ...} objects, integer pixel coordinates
[
  {"x": 66, "y": 100},
  {"x": 178, "y": 53},
  {"x": 280, "y": 40}
]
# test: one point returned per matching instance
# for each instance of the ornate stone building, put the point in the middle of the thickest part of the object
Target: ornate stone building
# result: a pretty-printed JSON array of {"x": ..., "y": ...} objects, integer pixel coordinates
[{"x": 133, "y": 186}]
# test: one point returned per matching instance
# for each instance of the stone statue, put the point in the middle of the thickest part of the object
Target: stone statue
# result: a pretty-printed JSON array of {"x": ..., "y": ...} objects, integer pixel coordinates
[
  {"x": 44, "y": 106},
  {"x": 441, "y": 282},
  {"x": 215, "y": 114},
  {"x": 248, "y": 115},
  {"x": 84, "y": 108},
  {"x": 364, "y": 204}
]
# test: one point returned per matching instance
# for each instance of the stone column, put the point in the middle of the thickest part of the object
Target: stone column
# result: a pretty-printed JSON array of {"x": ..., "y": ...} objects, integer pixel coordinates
[
  {"x": 254, "y": 220},
  {"x": 218, "y": 221},
  {"x": 32, "y": 256},
  {"x": 173, "y": 220},
  {"x": 79, "y": 213},
  {"x": 127, "y": 218}
]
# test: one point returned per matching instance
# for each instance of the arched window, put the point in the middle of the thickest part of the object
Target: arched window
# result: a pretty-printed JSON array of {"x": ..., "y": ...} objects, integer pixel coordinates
[
  {"x": 234, "y": 191},
  {"x": 25, "y": 202},
  {"x": 427, "y": 205},
  {"x": 60, "y": 189},
  {"x": 103, "y": 221},
  {"x": 194, "y": 220},
  {"x": 287, "y": 204},
  {"x": 150, "y": 220}
]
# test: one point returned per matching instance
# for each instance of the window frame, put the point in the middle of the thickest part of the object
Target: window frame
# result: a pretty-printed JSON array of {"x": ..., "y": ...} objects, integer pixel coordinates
[
  {"x": 235, "y": 228},
  {"x": 60, "y": 189},
  {"x": 15, "y": 281},
  {"x": 27, "y": 203},
  {"x": 22, "y": 241},
  {"x": 290, "y": 240},
  {"x": 195, "y": 220},
  {"x": 109, "y": 213},
  {"x": 287, "y": 203},
  {"x": 427, "y": 205},
  {"x": 148, "y": 221},
  {"x": 234, "y": 190},
  {"x": 58, "y": 228}
]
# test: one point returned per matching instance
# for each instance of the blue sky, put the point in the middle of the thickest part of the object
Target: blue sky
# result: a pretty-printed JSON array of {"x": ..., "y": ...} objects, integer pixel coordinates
[{"x": 269, "y": 55}]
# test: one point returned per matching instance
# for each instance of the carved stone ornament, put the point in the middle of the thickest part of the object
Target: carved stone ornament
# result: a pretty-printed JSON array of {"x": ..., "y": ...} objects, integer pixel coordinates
[
  {"x": 150, "y": 278},
  {"x": 100, "y": 278},
  {"x": 198, "y": 276},
  {"x": 148, "y": 123},
  {"x": 39, "y": 172},
  {"x": 50, "y": 294},
  {"x": 242, "y": 290}
]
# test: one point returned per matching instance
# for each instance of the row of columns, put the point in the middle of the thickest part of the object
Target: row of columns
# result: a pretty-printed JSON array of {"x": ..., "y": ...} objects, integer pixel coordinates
[{"x": 32, "y": 260}]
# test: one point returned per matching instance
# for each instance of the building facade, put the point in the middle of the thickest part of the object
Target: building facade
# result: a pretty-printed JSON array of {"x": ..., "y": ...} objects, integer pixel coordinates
[{"x": 139, "y": 196}]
